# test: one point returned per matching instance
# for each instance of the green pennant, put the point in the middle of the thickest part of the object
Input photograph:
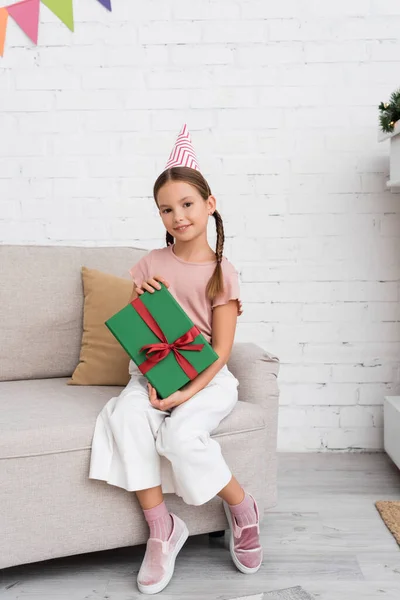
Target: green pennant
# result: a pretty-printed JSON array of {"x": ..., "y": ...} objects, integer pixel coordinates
[{"x": 63, "y": 10}]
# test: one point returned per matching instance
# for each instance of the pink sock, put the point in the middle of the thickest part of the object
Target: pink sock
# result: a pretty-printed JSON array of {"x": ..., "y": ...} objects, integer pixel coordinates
[
  {"x": 244, "y": 512},
  {"x": 159, "y": 520}
]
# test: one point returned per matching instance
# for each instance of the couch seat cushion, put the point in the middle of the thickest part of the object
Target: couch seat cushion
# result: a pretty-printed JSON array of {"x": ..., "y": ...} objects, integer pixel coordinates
[{"x": 42, "y": 416}]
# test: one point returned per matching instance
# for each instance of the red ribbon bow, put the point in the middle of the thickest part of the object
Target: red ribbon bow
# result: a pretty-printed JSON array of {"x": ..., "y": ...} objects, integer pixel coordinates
[{"x": 158, "y": 351}]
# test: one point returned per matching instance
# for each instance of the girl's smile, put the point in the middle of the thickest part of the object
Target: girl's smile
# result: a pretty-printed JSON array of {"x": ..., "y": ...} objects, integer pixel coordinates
[{"x": 182, "y": 228}]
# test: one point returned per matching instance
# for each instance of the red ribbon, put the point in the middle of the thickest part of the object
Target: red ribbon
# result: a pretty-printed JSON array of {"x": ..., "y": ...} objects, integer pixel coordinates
[{"x": 158, "y": 351}]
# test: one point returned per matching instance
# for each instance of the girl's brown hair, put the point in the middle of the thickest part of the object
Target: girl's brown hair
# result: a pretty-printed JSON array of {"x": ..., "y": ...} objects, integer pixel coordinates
[{"x": 215, "y": 284}]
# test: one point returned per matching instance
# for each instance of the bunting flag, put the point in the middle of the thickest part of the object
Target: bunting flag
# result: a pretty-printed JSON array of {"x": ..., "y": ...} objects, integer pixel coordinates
[
  {"x": 106, "y": 3},
  {"x": 26, "y": 15},
  {"x": 3, "y": 27},
  {"x": 63, "y": 10}
]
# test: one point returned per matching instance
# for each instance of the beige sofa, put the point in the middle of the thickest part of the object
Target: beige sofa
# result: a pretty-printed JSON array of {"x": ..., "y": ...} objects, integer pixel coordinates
[{"x": 48, "y": 506}]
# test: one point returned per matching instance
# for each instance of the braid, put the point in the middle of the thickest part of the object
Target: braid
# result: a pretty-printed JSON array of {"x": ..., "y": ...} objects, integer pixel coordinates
[
  {"x": 220, "y": 236},
  {"x": 169, "y": 239},
  {"x": 215, "y": 285}
]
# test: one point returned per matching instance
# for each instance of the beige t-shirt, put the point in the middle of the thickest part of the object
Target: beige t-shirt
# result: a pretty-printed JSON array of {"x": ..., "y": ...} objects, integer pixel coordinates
[{"x": 188, "y": 282}]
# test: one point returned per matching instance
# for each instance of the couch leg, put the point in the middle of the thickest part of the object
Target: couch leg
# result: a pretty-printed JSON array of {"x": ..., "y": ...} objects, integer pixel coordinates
[{"x": 216, "y": 534}]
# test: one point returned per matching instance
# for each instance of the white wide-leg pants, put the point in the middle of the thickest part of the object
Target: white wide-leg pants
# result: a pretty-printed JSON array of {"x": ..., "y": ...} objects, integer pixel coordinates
[{"x": 136, "y": 446}]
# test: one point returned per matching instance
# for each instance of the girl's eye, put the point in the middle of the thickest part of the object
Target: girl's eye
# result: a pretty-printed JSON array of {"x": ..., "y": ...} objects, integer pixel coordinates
[{"x": 168, "y": 209}]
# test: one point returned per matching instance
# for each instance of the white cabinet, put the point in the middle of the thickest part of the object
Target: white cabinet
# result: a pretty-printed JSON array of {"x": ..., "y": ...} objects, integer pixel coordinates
[
  {"x": 394, "y": 137},
  {"x": 391, "y": 427}
]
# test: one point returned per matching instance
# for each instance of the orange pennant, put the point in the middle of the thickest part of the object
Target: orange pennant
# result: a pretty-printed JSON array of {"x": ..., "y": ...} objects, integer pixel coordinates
[{"x": 3, "y": 27}]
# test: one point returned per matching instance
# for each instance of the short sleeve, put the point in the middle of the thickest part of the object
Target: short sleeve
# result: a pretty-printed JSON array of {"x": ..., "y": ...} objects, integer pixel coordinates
[
  {"x": 231, "y": 291},
  {"x": 141, "y": 270}
]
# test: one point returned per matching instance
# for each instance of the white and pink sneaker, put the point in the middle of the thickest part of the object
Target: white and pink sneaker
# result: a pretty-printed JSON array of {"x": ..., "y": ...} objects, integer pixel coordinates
[
  {"x": 244, "y": 545},
  {"x": 158, "y": 564}
]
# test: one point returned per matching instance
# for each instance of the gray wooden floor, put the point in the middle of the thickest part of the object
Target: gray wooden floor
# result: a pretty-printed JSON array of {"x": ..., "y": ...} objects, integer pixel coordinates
[{"x": 325, "y": 534}]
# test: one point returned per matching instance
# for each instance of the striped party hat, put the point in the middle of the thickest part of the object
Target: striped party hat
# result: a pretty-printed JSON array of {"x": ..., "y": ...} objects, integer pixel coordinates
[{"x": 182, "y": 154}]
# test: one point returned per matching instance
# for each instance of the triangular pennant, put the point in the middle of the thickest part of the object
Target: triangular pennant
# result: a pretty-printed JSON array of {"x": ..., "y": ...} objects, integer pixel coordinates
[
  {"x": 26, "y": 15},
  {"x": 3, "y": 27},
  {"x": 63, "y": 10},
  {"x": 106, "y": 3}
]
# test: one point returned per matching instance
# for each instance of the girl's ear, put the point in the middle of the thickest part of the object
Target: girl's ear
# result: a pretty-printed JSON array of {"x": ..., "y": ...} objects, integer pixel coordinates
[{"x": 212, "y": 203}]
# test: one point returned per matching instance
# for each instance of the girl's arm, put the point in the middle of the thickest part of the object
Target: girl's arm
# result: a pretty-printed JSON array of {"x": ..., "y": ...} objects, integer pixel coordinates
[{"x": 223, "y": 334}]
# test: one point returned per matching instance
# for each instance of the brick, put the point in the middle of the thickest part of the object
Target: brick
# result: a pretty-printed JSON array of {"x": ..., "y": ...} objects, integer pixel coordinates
[
  {"x": 328, "y": 272},
  {"x": 35, "y": 101},
  {"x": 93, "y": 229},
  {"x": 172, "y": 32},
  {"x": 374, "y": 393},
  {"x": 323, "y": 416},
  {"x": 10, "y": 209},
  {"x": 46, "y": 79},
  {"x": 320, "y": 394},
  {"x": 24, "y": 145},
  {"x": 322, "y": 291},
  {"x": 52, "y": 167},
  {"x": 297, "y": 29},
  {"x": 350, "y": 352},
  {"x": 390, "y": 7},
  {"x": 50, "y": 122},
  {"x": 360, "y": 438},
  {"x": 172, "y": 77},
  {"x": 113, "y": 78},
  {"x": 11, "y": 232},
  {"x": 80, "y": 100},
  {"x": 207, "y": 10},
  {"x": 217, "y": 54},
  {"x": 270, "y": 54},
  {"x": 305, "y": 439},
  {"x": 238, "y": 32},
  {"x": 292, "y": 417},
  {"x": 363, "y": 374},
  {"x": 355, "y": 416},
  {"x": 303, "y": 373},
  {"x": 262, "y": 10}
]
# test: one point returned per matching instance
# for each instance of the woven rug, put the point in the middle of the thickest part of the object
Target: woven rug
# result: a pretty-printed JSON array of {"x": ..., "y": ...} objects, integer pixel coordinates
[
  {"x": 390, "y": 513},
  {"x": 293, "y": 593}
]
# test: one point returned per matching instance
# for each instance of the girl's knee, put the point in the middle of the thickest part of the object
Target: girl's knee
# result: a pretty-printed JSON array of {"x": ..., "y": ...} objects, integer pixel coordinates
[
  {"x": 131, "y": 402},
  {"x": 173, "y": 442}
]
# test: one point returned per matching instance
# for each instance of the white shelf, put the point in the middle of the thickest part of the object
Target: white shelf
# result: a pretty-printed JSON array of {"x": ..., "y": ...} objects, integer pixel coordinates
[
  {"x": 383, "y": 135},
  {"x": 393, "y": 185},
  {"x": 391, "y": 427},
  {"x": 394, "y": 179}
]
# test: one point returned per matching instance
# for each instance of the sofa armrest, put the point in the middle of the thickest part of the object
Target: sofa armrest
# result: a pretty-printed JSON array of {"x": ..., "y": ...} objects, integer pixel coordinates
[{"x": 257, "y": 372}]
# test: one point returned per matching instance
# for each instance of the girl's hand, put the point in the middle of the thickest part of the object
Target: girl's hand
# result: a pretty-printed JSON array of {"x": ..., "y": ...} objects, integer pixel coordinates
[
  {"x": 151, "y": 285},
  {"x": 174, "y": 399}
]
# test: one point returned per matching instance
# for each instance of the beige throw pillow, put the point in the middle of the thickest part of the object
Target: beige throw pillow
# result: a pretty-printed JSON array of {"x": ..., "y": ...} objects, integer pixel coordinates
[{"x": 102, "y": 359}]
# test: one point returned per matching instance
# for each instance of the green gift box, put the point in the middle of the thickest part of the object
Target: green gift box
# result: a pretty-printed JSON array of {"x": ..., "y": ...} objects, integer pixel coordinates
[{"x": 162, "y": 340}]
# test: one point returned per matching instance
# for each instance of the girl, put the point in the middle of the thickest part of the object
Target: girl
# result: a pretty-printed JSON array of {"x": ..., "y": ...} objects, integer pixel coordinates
[{"x": 154, "y": 446}]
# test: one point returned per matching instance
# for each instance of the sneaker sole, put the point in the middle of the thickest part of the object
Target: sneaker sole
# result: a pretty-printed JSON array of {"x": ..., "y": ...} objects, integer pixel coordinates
[
  {"x": 238, "y": 564},
  {"x": 157, "y": 587}
]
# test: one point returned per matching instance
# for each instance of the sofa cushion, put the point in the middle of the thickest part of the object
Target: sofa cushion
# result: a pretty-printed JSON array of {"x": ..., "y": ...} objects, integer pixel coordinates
[
  {"x": 102, "y": 360},
  {"x": 41, "y": 305},
  {"x": 45, "y": 416}
]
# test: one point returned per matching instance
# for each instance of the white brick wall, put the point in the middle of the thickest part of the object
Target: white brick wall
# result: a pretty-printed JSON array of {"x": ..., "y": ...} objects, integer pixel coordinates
[{"x": 281, "y": 100}]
